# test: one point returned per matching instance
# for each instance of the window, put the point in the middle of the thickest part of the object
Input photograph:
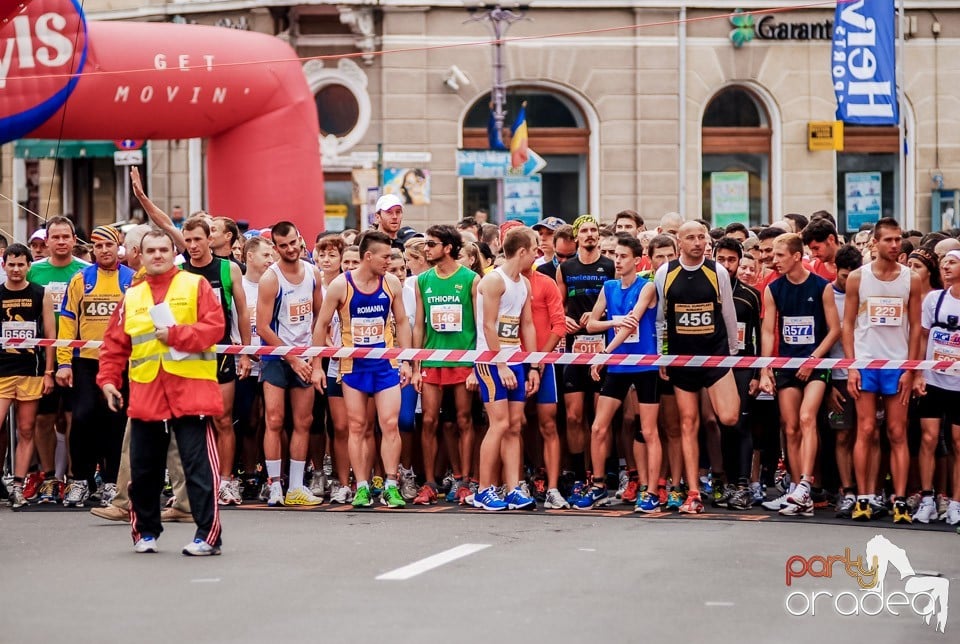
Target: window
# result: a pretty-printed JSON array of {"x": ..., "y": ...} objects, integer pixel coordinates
[
  {"x": 868, "y": 176},
  {"x": 736, "y": 137},
  {"x": 338, "y": 109}
]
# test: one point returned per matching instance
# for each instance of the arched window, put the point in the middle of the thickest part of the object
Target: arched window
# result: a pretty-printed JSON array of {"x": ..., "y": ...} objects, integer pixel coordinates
[
  {"x": 557, "y": 131},
  {"x": 735, "y": 137}
]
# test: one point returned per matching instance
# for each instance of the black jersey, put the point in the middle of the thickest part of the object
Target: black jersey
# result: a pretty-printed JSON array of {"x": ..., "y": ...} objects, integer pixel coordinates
[
  {"x": 746, "y": 301},
  {"x": 801, "y": 319},
  {"x": 582, "y": 284},
  {"x": 217, "y": 272},
  {"x": 693, "y": 311},
  {"x": 21, "y": 317}
]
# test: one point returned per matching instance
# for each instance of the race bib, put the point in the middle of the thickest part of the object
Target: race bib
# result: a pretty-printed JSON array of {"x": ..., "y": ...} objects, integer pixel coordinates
[
  {"x": 446, "y": 318},
  {"x": 633, "y": 337},
  {"x": 741, "y": 336},
  {"x": 298, "y": 312},
  {"x": 798, "y": 329},
  {"x": 56, "y": 290},
  {"x": 19, "y": 330},
  {"x": 693, "y": 319},
  {"x": 946, "y": 346},
  {"x": 561, "y": 346},
  {"x": 252, "y": 314},
  {"x": 94, "y": 307},
  {"x": 885, "y": 311},
  {"x": 366, "y": 331},
  {"x": 508, "y": 329},
  {"x": 588, "y": 343}
]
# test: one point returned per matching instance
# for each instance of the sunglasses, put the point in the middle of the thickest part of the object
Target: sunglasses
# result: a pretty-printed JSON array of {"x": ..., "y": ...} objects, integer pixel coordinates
[
  {"x": 565, "y": 257},
  {"x": 432, "y": 244}
]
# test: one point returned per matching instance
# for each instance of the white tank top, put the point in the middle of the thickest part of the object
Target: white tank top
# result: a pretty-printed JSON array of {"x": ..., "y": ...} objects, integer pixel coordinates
[
  {"x": 250, "y": 290},
  {"x": 508, "y": 318},
  {"x": 883, "y": 328},
  {"x": 292, "y": 318}
]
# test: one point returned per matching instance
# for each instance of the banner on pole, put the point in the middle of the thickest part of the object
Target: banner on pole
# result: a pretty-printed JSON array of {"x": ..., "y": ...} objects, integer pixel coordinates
[{"x": 863, "y": 63}]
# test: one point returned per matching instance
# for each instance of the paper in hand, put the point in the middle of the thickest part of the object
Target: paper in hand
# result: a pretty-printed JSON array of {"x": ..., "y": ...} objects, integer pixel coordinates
[{"x": 162, "y": 318}]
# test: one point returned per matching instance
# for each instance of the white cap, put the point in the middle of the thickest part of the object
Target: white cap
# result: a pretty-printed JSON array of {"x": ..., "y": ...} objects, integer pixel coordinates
[
  {"x": 386, "y": 202},
  {"x": 953, "y": 253},
  {"x": 40, "y": 233}
]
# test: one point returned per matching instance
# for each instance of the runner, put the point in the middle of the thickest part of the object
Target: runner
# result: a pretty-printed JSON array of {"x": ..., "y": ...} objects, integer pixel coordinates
[
  {"x": 97, "y": 433},
  {"x": 445, "y": 303},
  {"x": 696, "y": 304},
  {"x": 54, "y": 413},
  {"x": 365, "y": 298},
  {"x": 801, "y": 321},
  {"x": 289, "y": 298},
  {"x": 504, "y": 320},
  {"x": 22, "y": 376},
  {"x": 581, "y": 279},
  {"x": 882, "y": 322},
  {"x": 842, "y": 413},
  {"x": 227, "y": 282},
  {"x": 938, "y": 390},
  {"x": 821, "y": 237},
  {"x": 629, "y": 306}
]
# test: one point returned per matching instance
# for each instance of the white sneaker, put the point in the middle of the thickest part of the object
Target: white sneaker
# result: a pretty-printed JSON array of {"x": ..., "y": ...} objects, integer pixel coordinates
[
  {"x": 234, "y": 487},
  {"x": 341, "y": 494},
  {"x": 225, "y": 494},
  {"x": 952, "y": 517},
  {"x": 408, "y": 484},
  {"x": 780, "y": 501},
  {"x": 276, "y": 495},
  {"x": 623, "y": 481},
  {"x": 798, "y": 503},
  {"x": 927, "y": 510},
  {"x": 555, "y": 501},
  {"x": 108, "y": 495},
  {"x": 76, "y": 495},
  {"x": 200, "y": 548},
  {"x": 145, "y": 544},
  {"x": 318, "y": 484}
]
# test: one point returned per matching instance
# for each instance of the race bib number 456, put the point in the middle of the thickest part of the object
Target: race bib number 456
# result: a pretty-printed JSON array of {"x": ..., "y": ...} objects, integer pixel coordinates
[{"x": 693, "y": 319}]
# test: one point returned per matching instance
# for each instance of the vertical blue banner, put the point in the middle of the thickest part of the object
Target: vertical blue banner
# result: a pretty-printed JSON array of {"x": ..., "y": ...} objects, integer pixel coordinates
[{"x": 863, "y": 63}]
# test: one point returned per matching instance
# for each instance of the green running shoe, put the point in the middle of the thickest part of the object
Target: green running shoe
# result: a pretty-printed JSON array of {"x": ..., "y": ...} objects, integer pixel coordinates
[
  {"x": 362, "y": 498},
  {"x": 392, "y": 498}
]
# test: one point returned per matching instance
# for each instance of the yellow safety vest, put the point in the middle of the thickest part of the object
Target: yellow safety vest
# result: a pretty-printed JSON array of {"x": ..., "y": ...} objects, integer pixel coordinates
[{"x": 147, "y": 352}]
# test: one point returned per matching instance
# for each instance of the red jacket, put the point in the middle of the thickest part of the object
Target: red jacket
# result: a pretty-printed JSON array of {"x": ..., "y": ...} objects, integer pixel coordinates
[
  {"x": 167, "y": 396},
  {"x": 547, "y": 308}
]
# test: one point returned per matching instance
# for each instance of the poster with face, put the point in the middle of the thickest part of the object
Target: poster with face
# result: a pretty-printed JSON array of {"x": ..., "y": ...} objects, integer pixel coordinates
[{"x": 412, "y": 185}]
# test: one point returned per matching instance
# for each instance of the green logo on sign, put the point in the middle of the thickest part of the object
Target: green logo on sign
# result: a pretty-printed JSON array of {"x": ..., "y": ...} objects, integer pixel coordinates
[{"x": 743, "y": 29}]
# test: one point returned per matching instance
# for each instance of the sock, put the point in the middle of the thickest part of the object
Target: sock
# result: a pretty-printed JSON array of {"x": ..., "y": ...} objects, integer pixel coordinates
[
  {"x": 579, "y": 469},
  {"x": 296, "y": 474},
  {"x": 18, "y": 480},
  {"x": 926, "y": 493},
  {"x": 62, "y": 456},
  {"x": 361, "y": 484},
  {"x": 633, "y": 475},
  {"x": 273, "y": 470},
  {"x": 864, "y": 497},
  {"x": 391, "y": 483}
]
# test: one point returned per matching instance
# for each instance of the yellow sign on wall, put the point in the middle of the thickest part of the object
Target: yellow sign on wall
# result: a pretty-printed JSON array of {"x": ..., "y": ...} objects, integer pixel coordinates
[{"x": 825, "y": 135}]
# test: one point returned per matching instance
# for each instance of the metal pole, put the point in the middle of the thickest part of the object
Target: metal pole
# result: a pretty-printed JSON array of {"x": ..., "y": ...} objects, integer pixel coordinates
[
  {"x": 682, "y": 113},
  {"x": 901, "y": 154}
]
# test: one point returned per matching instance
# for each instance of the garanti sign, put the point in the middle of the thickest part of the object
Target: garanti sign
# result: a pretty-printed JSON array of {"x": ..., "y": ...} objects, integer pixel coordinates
[{"x": 747, "y": 27}]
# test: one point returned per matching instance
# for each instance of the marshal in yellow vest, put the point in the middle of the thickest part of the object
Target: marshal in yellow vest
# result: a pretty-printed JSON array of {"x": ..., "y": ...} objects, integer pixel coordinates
[{"x": 147, "y": 353}]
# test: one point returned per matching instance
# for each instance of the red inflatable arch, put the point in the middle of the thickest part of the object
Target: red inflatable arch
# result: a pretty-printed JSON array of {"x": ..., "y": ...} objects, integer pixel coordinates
[{"x": 245, "y": 92}]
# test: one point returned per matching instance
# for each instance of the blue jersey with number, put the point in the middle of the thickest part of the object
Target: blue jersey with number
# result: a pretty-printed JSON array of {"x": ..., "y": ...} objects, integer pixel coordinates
[
  {"x": 801, "y": 320},
  {"x": 620, "y": 301}
]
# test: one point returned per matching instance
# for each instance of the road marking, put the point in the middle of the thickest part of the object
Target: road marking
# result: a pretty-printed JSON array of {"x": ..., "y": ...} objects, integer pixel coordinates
[
  {"x": 587, "y": 549},
  {"x": 719, "y": 604},
  {"x": 205, "y": 580},
  {"x": 433, "y": 561}
]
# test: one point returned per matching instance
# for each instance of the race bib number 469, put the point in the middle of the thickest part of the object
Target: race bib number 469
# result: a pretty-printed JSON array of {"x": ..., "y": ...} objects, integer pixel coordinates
[{"x": 693, "y": 319}]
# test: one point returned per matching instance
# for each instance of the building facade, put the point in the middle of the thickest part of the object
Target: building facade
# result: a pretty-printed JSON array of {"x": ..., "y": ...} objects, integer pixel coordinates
[{"x": 655, "y": 106}]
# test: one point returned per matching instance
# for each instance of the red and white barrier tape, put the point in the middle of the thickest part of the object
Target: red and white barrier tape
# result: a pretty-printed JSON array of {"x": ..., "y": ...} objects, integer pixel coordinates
[{"x": 536, "y": 357}]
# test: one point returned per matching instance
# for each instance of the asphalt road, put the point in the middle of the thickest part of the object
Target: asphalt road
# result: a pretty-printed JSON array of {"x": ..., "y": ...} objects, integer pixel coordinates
[{"x": 313, "y": 577}]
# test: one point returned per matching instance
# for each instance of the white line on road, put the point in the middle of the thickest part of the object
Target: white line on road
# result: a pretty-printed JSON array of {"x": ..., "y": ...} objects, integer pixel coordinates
[
  {"x": 433, "y": 561},
  {"x": 587, "y": 549},
  {"x": 719, "y": 604},
  {"x": 205, "y": 580}
]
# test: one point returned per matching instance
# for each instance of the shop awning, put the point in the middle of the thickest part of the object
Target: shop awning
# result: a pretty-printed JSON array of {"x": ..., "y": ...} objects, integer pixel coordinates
[{"x": 47, "y": 149}]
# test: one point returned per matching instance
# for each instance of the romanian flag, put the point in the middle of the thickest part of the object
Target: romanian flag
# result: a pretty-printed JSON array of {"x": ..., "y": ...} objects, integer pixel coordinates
[
  {"x": 518, "y": 142},
  {"x": 494, "y": 138}
]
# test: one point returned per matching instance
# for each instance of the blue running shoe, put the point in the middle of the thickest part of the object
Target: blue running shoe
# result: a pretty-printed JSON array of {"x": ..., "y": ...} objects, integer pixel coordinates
[
  {"x": 452, "y": 494},
  {"x": 577, "y": 491},
  {"x": 674, "y": 499},
  {"x": 592, "y": 496},
  {"x": 647, "y": 503},
  {"x": 517, "y": 500},
  {"x": 489, "y": 499}
]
